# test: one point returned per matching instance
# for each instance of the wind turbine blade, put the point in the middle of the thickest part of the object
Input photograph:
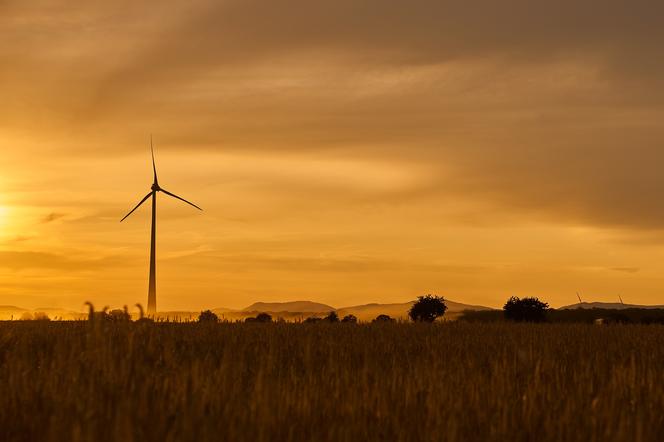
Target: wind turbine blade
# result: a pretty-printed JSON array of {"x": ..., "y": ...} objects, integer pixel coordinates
[
  {"x": 154, "y": 168},
  {"x": 137, "y": 206},
  {"x": 181, "y": 199}
]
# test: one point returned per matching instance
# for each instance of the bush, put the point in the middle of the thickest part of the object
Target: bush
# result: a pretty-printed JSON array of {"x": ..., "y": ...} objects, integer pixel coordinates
[
  {"x": 332, "y": 317},
  {"x": 525, "y": 310},
  {"x": 118, "y": 315},
  {"x": 383, "y": 318},
  {"x": 349, "y": 319},
  {"x": 312, "y": 320},
  {"x": 427, "y": 308},
  {"x": 263, "y": 317},
  {"x": 41, "y": 316},
  {"x": 208, "y": 316}
]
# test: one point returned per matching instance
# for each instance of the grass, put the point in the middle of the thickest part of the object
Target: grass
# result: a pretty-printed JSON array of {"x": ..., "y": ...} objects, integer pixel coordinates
[{"x": 452, "y": 381}]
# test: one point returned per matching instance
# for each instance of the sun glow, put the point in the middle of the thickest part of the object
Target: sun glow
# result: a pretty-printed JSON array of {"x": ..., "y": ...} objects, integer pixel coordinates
[{"x": 4, "y": 214}]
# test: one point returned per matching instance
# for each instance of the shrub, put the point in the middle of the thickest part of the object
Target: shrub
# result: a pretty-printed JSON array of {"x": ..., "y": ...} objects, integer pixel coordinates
[
  {"x": 27, "y": 316},
  {"x": 427, "y": 308},
  {"x": 349, "y": 319},
  {"x": 332, "y": 317},
  {"x": 263, "y": 317},
  {"x": 41, "y": 316},
  {"x": 312, "y": 320},
  {"x": 525, "y": 310},
  {"x": 383, "y": 318},
  {"x": 118, "y": 315},
  {"x": 208, "y": 316}
]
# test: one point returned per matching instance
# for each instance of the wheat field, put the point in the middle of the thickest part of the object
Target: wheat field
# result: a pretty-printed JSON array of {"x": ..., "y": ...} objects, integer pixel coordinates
[{"x": 258, "y": 382}]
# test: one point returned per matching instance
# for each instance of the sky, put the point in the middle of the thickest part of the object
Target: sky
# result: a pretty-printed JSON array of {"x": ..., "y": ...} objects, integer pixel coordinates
[{"x": 344, "y": 152}]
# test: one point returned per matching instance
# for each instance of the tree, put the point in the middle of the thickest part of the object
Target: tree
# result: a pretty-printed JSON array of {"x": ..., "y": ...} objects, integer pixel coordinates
[
  {"x": 349, "y": 319},
  {"x": 332, "y": 317},
  {"x": 525, "y": 310},
  {"x": 208, "y": 316},
  {"x": 263, "y": 317},
  {"x": 383, "y": 318},
  {"x": 427, "y": 308}
]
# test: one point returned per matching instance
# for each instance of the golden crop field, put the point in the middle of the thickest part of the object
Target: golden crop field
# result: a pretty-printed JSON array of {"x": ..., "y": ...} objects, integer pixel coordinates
[{"x": 324, "y": 382}]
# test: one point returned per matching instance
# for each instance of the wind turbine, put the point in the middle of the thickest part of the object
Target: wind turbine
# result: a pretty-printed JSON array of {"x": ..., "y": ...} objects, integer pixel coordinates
[{"x": 152, "y": 288}]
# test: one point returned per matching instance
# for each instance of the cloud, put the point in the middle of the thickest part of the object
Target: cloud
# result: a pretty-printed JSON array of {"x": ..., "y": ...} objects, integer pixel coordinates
[
  {"x": 53, "y": 216},
  {"x": 626, "y": 269},
  {"x": 21, "y": 260},
  {"x": 549, "y": 110}
]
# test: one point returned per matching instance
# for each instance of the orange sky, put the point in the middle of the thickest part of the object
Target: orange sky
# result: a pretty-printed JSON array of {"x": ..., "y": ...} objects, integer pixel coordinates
[{"x": 344, "y": 152}]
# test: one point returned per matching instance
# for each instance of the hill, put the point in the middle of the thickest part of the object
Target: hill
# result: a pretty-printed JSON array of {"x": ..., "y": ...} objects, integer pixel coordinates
[
  {"x": 608, "y": 306},
  {"x": 8, "y": 312},
  {"x": 400, "y": 310},
  {"x": 292, "y": 306}
]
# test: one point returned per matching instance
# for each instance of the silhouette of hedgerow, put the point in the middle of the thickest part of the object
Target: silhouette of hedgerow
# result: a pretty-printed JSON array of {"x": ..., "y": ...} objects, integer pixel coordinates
[
  {"x": 427, "y": 308},
  {"x": 525, "y": 310}
]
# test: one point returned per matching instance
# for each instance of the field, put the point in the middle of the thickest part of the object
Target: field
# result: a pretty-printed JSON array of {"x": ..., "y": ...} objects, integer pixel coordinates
[{"x": 452, "y": 381}]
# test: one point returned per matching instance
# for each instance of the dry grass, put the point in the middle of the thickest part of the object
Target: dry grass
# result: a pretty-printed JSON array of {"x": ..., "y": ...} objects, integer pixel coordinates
[{"x": 453, "y": 381}]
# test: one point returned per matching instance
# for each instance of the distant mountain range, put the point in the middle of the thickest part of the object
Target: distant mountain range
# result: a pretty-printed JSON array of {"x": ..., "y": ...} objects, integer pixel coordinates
[
  {"x": 400, "y": 310},
  {"x": 13, "y": 312},
  {"x": 363, "y": 312},
  {"x": 297, "y": 310},
  {"x": 291, "y": 310},
  {"x": 608, "y": 305}
]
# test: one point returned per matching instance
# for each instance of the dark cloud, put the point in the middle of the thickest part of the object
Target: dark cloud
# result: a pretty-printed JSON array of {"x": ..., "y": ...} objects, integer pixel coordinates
[{"x": 551, "y": 109}]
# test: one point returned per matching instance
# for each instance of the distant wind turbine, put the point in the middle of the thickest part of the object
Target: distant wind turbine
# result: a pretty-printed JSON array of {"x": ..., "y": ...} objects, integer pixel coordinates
[{"x": 152, "y": 288}]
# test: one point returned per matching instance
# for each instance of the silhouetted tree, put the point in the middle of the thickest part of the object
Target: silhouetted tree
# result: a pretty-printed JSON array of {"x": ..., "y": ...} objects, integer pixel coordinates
[
  {"x": 427, "y": 308},
  {"x": 263, "y": 317},
  {"x": 383, "y": 318},
  {"x": 349, "y": 319},
  {"x": 208, "y": 316},
  {"x": 312, "y": 320},
  {"x": 525, "y": 310},
  {"x": 332, "y": 317}
]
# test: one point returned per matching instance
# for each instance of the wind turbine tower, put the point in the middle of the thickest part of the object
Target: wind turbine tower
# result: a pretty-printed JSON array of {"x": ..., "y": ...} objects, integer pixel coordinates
[{"x": 152, "y": 286}]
